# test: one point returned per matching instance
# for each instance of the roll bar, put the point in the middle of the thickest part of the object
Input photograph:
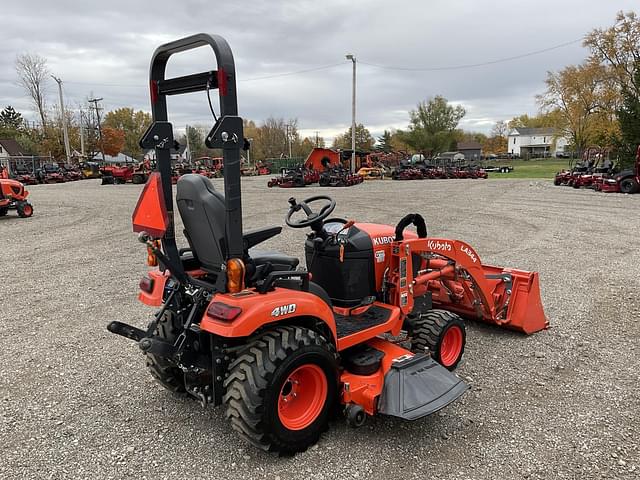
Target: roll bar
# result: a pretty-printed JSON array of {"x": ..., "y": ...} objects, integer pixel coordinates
[{"x": 226, "y": 134}]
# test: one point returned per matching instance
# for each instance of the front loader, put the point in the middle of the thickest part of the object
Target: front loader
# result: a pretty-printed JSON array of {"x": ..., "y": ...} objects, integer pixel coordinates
[{"x": 374, "y": 324}]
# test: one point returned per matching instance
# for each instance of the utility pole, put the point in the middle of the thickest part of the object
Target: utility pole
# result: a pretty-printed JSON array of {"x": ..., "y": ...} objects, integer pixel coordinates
[
  {"x": 289, "y": 137},
  {"x": 95, "y": 103},
  {"x": 353, "y": 114},
  {"x": 64, "y": 120},
  {"x": 188, "y": 146},
  {"x": 82, "y": 135},
  {"x": 317, "y": 139}
]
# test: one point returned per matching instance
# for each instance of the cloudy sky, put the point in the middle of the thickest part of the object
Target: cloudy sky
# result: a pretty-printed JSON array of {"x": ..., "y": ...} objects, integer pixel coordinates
[{"x": 104, "y": 47}]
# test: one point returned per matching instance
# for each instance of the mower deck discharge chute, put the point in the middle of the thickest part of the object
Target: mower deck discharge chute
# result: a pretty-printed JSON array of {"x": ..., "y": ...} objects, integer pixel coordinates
[{"x": 373, "y": 324}]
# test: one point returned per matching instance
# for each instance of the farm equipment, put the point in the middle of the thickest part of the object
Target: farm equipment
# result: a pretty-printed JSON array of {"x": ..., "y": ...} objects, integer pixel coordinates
[
  {"x": 406, "y": 171},
  {"x": 23, "y": 174},
  {"x": 119, "y": 175},
  {"x": 627, "y": 181},
  {"x": 90, "y": 170},
  {"x": 71, "y": 173},
  {"x": 294, "y": 178},
  {"x": 371, "y": 173},
  {"x": 50, "y": 173},
  {"x": 339, "y": 176},
  {"x": 586, "y": 172},
  {"x": 278, "y": 346},
  {"x": 14, "y": 196}
]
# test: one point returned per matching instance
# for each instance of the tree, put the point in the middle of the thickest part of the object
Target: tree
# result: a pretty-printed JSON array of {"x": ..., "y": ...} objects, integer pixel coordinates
[
  {"x": 364, "y": 140},
  {"x": 628, "y": 115},
  {"x": 497, "y": 141},
  {"x": 542, "y": 120},
  {"x": 385, "y": 142},
  {"x": 618, "y": 47},
  {"x": 133, "y": 123},
  {"x": 33, "y": 74},
  {"x": 433, "y": 124},
  {"x": 584, "y": 99},
  {"x": 112, "y": 140},
  {"x": 11, "y": 122}
]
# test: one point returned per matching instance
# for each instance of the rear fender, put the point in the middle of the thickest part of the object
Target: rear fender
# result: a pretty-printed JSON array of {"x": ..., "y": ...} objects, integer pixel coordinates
[
  {"x": 258, "y": 310},
  {"x": 154, "y": 299}
]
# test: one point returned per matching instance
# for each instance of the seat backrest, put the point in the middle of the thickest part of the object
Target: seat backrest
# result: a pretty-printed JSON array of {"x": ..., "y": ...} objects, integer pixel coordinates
[{"x": 202, "y": 210}]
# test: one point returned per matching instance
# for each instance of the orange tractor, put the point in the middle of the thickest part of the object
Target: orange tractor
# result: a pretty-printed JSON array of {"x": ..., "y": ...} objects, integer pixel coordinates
[
  {"x": 14, "y": 196},
  {"x": 374, "y": 324}
]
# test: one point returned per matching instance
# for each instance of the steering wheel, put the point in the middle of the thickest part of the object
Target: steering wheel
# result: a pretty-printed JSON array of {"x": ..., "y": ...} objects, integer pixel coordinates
[{"x": 311, "y": 217}]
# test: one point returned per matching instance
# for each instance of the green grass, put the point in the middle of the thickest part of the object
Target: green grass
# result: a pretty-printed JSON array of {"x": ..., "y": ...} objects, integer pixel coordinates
[{"x": 536, "y": 168}]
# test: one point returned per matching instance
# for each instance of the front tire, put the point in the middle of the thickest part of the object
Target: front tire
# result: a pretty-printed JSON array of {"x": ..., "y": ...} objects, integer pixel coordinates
[
  {"x": 443, "y": 334},
  {"x": 282, "y": 388},
  {"x": 24, "y": 209}
]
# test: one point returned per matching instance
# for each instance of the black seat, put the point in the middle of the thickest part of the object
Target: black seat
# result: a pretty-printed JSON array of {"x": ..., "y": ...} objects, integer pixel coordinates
[{"x": 202, "y": 210}]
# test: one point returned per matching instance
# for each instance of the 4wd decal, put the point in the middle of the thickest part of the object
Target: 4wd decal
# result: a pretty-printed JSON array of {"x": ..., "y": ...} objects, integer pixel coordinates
[
  {"x": 440, "y": 245},
  {"x": 284, "y": 310},
  {"x": 385, "y": 240}
]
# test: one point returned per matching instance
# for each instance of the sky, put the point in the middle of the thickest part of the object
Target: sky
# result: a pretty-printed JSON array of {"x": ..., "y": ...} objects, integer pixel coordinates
[{"x": 103, "y": 49}]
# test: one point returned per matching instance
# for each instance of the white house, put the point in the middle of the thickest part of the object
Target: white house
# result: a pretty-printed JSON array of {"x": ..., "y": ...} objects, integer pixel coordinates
[{"x": 535, "y": 142}]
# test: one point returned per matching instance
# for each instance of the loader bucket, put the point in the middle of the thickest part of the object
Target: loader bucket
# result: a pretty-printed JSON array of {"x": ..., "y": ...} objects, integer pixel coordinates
[{"x": 516, "y": 296}]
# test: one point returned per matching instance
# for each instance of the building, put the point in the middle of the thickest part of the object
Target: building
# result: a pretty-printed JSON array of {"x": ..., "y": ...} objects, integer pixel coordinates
[
  {"x": 10, "y": 148},
  {"x": 472, "y": 151},
  {"x": 535, "y": 142},
  {"x": 180, "y": 155}
]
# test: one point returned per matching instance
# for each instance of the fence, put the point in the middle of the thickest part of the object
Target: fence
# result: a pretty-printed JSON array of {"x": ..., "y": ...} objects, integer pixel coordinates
[{"x": 24, "y": 163}]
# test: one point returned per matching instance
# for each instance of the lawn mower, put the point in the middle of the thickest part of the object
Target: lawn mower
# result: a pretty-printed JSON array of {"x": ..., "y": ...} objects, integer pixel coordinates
[
  {"x": 373, "y": 325},
  {"x": 338, "y": 176},
  {"x": 50, "y": 173},
  {"x": 627, "y": 181},
  {"x": 23, "y": 174},
  {"x": 14, "y": 196},
  {"x": 71, "y": 173}
]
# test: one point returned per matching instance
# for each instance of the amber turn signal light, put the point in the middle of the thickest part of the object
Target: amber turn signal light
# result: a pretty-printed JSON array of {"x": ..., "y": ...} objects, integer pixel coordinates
[{"x": 235, "y": 275}]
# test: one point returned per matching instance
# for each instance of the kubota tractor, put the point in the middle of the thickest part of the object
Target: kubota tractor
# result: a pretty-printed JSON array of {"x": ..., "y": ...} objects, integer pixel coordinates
[
  {"x": 14, "y": 196},
  {"x": 280, "y": 346}
]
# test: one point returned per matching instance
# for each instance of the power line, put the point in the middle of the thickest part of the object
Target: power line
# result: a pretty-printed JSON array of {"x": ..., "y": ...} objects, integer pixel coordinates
[
  {"x": 297, "y": 72},
  {"x": 473, "y": 65}
]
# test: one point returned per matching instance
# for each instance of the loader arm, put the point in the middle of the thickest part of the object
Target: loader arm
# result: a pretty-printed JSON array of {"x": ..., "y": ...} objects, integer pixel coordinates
[{"x": 453, "y": 273}]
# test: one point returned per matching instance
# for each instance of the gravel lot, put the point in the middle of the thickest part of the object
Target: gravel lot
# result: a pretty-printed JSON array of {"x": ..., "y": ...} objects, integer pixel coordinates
[{"x": 77, "y": 402}]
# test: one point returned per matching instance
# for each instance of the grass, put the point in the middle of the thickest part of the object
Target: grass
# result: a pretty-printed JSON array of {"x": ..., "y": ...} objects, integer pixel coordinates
[{"x": 535, "y": 168}]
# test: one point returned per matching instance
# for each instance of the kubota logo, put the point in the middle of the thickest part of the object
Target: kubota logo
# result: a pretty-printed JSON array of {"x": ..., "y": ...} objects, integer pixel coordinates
[
  {"x": 438, "y": 245},
  {"x": 284, "y": 310},
  {"x": 383, "y": 240}
]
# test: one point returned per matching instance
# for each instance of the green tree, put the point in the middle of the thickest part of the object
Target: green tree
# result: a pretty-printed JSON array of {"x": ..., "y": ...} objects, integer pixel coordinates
[
  {"x": 385, "y": 142},
  {"x": 364, "y": 140},
  {"x": 628, "y": 115},
  {"x": 433, "y": 124},
  {"x": 132, "y": 123},
  {"x": 11, "y": 122}
]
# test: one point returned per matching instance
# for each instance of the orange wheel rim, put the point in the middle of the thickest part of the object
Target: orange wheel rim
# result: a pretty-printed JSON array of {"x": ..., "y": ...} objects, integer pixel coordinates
[
  {"x": 451, "y": 346},
  {"x": 302, "y": 397}
]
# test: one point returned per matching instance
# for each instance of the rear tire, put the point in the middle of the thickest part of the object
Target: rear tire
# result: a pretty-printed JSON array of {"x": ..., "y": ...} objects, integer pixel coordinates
[
  {"x": 282, "y": 388},
  {"x": 442, "y": 333},
  {"x": 164, "y": 372},
  {"x": 628, "y": 185}
]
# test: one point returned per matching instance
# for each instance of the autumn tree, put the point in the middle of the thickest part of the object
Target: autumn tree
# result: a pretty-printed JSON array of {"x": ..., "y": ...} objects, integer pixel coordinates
[
  {"x": 433, "y": 124},
  {"x": 132, "y": 123},
  {"x": 585, "y": 101},
  {"x": 618, "y": 48},
  {"x": 112, "y": 140},
  {"x": 364, "y": 139},
  {"x": 33, "y": 74},
  {"x": 496, "y": 142}
]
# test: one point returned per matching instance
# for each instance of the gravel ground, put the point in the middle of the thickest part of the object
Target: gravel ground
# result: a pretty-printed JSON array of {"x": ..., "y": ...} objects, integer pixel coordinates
[{"x": 76, "y": 401}]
